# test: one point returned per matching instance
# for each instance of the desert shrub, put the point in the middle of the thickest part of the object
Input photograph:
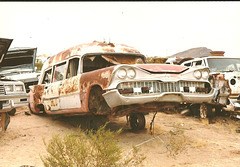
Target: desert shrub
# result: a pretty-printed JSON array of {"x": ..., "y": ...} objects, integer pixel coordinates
[
  {"x": 38, "y": 65},
  {"x": 177, "y": 141},
  {"x": 82, "y": 149},
  {"x": 134, "y": 158}
]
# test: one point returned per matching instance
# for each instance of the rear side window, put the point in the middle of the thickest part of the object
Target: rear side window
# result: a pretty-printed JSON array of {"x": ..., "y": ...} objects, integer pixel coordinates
[
  {"x": 187, "y": 64},
  {"x": 47, "y": 76},
  {"x": 197, "y": 63},
  {"x": 59, "y": 72},
  {"x": 72, "y": 67}
]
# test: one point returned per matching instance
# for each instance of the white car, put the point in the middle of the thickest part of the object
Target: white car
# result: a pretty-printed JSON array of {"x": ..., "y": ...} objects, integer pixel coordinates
[
  {"x": 224, "y": 76},
  {"x": 109, "y": 79},
  {"x": 12, "y": 93}
]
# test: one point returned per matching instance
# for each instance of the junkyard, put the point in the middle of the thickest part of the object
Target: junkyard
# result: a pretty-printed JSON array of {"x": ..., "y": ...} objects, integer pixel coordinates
[
  {"x": 206, "y": 144},
  {"x": 186, "y": 126},
  {"x": 148, "y": 84}
]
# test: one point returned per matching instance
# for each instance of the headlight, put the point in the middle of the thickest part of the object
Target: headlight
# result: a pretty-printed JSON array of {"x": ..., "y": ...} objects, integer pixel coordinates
[
  {"x": 131, "y": 73},
  {"x": 19, "y": 88},
  {"x": 122, "y": 73},
  {"x": 9, "y": 88},
  {"x": 205, "y": 74},
  {"x": 197, "y": 74},
  {"x": 233, "y": 81}
]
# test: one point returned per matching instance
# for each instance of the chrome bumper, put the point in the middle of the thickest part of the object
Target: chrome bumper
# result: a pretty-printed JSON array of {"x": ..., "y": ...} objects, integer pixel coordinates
[
  {"x": 13, "y": 101},
  {"x": 114, "y": 98},
  {"x": 234, "y": 106}
]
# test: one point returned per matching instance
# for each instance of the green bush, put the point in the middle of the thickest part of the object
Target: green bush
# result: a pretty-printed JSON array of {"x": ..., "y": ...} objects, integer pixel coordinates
[{"x": 82, "y": 149}]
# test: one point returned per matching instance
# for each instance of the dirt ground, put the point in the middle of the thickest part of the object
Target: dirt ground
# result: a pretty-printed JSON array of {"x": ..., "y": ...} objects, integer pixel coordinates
[{"x": 198, "y": 144}]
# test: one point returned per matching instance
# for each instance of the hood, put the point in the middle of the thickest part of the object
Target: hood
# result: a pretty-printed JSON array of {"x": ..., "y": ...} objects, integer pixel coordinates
[
  {"x": 4, "y": 45},
  {"x": 162, "y": 68},
  {"x": 19, "y": 59}
]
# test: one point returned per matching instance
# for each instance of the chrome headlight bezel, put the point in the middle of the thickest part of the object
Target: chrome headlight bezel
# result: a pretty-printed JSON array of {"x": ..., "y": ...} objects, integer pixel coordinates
[
  {"x": 121, "y": 73},
  {"x": 9, "y": 88},
  {"x": 19, "y": 88},
  {"x": 205, "y": 74},
  {"x": 197, "y": 74},
  {"x": 131, "y": 73}
]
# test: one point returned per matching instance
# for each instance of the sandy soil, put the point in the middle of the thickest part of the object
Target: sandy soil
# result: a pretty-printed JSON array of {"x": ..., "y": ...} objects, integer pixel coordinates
[{"x": 199, "y": 144}]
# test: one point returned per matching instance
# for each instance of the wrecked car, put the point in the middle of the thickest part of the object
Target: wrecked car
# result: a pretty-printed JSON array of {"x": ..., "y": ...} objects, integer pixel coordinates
[
  {"x": 19, "y": 64},
  {"x": 225, "y": 77},
  {"x": 12, "y": 93},
  {"x": 104, "y": 80}
]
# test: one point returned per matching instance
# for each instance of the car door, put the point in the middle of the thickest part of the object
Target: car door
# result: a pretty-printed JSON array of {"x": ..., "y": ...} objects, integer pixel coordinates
[
  {"x": 69, "y": 92},
  {"x": 51, "y": 97}
]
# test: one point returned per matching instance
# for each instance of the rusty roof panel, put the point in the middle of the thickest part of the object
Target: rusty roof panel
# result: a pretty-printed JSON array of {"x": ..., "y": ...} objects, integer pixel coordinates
[{"x": 94, "y": 47}]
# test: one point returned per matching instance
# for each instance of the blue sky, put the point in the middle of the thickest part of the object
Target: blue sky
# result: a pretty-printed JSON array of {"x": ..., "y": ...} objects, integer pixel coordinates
[{"x": 154, "y": 28}]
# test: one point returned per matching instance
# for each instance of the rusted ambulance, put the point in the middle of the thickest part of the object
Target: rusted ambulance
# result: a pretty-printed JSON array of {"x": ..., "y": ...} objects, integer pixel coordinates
[{"x": 102, "y": 79}]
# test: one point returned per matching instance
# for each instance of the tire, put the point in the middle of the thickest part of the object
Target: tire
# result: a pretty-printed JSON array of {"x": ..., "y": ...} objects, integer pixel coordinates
[
  {"x": 205, "y": 111},
  {"x": 137, "y": 121},
  {"x": 194, "y": 109},
  {"x": 218, "y": 110},
  {"x": 12, "y": 112}
]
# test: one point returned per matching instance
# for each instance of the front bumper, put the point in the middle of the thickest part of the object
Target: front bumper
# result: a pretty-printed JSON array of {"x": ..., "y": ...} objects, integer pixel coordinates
[
  {"x": 114, "y": 98},
  {"x": 234, "y": 106},
  {"x": 12, "y": 101}
]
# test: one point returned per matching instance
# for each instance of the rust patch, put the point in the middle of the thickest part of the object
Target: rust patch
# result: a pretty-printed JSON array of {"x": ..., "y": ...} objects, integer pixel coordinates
[
  {"x": 108, "y": 50},
  {"x": 104, "y": 44},
  {"x": 37, "y": 96},
  {"x": 69, "y": 86},
  {"x": 101, "y": 77},
  {"x": 130, "y": 50},
  {"x": 53, "y": 103}
]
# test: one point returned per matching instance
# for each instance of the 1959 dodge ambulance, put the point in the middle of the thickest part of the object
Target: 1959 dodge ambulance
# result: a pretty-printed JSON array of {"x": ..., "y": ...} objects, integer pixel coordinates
[{"x": 108, "y": 79}]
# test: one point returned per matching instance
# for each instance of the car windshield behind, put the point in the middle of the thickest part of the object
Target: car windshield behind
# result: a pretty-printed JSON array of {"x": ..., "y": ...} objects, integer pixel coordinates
[
  {"x": 224, "y": 64},
  {"x": 95, "y": 62}
]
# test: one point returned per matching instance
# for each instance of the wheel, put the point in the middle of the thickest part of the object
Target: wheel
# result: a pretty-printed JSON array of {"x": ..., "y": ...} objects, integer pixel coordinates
[
  {"x": 12, "y": 112},
  {"x": 205, "y": 110},
  {"x": 194, "y": 110},
  {"x": 97, "y": 103},
  {"x": 218, "y": 110},
  {"x": 137, "y": 121}
]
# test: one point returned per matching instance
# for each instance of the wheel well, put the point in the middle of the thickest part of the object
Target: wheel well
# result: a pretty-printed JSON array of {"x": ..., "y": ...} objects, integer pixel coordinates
[
  {"x": 41, "y": 107},
  {"x": 92, "y": 89},
  {"x": 96, "y": 102}
]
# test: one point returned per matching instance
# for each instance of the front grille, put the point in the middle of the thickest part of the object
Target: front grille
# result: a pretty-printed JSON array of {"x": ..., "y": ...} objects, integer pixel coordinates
[
  {"x": 23, "y": 99},
  {"x": 2, "y": 90},
  {"x": 151, "y": 87}
]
